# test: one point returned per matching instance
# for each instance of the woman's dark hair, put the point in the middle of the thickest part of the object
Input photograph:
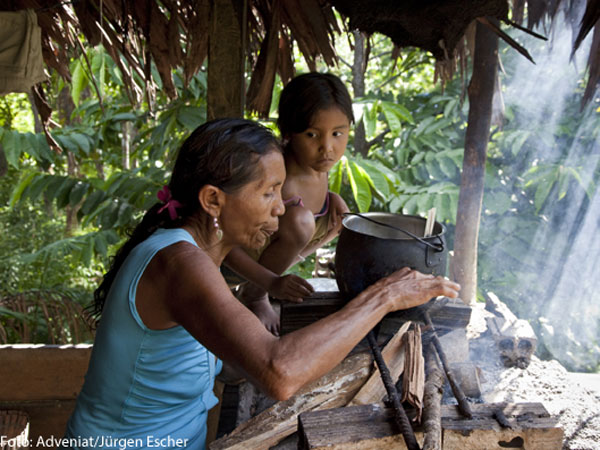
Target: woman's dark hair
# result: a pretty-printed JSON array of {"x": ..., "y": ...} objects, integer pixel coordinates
[
  {"x": 307, "y": 94},
  {"x": 224, "y": 153}
]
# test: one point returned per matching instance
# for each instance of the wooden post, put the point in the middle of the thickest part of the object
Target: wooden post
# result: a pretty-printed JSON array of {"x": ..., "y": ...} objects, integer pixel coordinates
[
  {"x": 481, "y": 91},
  {"x": 226, "y": 55},
  {"x": 432, "y": 402}
]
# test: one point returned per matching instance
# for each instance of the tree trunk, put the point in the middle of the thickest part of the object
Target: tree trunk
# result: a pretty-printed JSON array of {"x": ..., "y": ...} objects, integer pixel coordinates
[
  {"x": 226, "y": 55},
  {"x": 481, "y": 91},
  {"x": 359, "y": 66},
  {"x": 65, "y": 109}
]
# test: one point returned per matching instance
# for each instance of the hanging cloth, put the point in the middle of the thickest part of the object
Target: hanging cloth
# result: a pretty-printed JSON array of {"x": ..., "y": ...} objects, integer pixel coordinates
[{"x": 21, "y": 62}]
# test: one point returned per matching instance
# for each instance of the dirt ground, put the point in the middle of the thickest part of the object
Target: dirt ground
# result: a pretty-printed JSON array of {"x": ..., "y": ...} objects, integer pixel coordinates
[{"x": 574, "y": 403}]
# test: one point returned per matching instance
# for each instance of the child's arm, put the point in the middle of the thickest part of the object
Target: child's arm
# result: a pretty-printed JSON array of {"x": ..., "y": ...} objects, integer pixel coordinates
[
  {"x": 288, "y": 287},
  {"x": 337, "y": 208}
]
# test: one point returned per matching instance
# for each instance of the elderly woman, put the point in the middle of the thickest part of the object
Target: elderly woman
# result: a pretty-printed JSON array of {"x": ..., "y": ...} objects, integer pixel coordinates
[{"x": 168, "y": 316}]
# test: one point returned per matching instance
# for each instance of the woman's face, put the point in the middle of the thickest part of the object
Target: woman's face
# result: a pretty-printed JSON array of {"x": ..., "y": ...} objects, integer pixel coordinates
[
  {"x": 251, "y": 214},
  {"x": 323, "y": 143}
]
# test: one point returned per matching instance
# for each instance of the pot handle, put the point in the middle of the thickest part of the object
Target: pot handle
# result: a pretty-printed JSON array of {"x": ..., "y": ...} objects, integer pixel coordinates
[{"x": 437, "y": 248}]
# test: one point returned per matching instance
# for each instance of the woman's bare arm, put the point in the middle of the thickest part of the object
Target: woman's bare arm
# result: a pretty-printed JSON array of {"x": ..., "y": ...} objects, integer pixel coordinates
[{"x": 197, "y": 297}]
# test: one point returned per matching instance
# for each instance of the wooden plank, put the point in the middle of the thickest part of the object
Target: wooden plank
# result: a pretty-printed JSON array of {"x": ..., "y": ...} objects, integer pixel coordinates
[
  {"x": 47, "y": 418},
  {"x": 332, "y": 390},
  {"x": 413, "y": 381},
  {"x": 44, "y": 381},
  {"x": 372, "y": 427},
  {"x": 454, "y": 314},
  {"x": 373, "y": 390},
  {"x": 354, "y": 427},
  {"x": 432, "y": 402},
  {"x": 42, "y": 372}
]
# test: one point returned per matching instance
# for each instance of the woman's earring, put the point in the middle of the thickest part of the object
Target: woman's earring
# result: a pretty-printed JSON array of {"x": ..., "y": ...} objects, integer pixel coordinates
[{"x": 219, "y": 231}]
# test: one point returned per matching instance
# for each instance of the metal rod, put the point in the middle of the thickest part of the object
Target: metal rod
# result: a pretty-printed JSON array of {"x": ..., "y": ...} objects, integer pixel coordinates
[
  {"x": 501, "y": 418},
  {"x": 463, "y": 404},
  {"x": 399, "y": 413}
]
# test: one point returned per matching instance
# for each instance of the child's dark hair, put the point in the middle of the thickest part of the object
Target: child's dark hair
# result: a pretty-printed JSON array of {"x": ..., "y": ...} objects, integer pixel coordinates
[
  {"x": 307, "y": 94},
  {"x": 224, "y": 153}
]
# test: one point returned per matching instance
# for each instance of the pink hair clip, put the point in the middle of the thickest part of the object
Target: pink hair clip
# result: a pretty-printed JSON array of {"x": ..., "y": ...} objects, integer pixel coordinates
[{"x": 164, "y": 195}]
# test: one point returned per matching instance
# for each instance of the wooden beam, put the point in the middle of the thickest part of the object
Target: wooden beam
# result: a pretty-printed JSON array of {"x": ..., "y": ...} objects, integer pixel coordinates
[
  {"x": 226, "y": 56},
  {"x": 43, "y": 381},
  {"x": 454, "y": 314},
  {"x": 332, "y": 390},
  {"x": 481, "y": 93},
  {"x": 372, "y": 427}
]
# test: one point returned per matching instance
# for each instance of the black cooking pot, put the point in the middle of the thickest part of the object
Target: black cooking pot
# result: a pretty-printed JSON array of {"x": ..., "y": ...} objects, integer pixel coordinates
[{"x": 373, "y": 245}]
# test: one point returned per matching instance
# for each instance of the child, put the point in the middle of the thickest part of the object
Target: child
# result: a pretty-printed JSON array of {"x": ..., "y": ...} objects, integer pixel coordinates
[{"x": 315, "y": 114}]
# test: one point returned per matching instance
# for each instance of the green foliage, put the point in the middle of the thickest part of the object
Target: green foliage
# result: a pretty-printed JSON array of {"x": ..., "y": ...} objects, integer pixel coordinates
[
  {"x": 103, "y": 189},
  {"x": 417, "y": 164},
  {"x": 416, "y": 135}
]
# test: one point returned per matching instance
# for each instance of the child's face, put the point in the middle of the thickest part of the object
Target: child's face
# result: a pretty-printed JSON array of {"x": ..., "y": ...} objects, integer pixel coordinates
[{"x": 323, "y": 143}]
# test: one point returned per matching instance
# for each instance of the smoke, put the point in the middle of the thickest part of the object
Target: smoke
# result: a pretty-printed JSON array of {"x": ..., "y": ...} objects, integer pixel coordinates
[{"x": 566, "y": 295}]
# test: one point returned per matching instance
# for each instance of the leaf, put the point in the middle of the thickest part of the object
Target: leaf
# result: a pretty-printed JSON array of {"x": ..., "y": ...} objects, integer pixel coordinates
[
  {"x": 432, "y": 167},
  {"x": 191, "y": 116},
  {"x": 18, "y": 191},
  {"x": 82, "y": 141},
  {"x": 115, "y": 182},
  {"x": 418, "y": 158},
  {"x": 422, "y": 125},
  {"x": 438, "y": 124},
  {"x": 410, "y": 207},
  {"x": 336, "y": 175},
  {"x": 447, "y": 165},
  {"x": 11, "y": 313},
  {"x": 395, "y": 114},
  {"x": 360, "y": 187},
  {"x": 100, "y": 244},
  {"x": 99, "y": 69},
  {"x": 92, "y": 201},
  {"x": 396, "y": 204},
  {"x": 443, "y": 208},
  {"x": 425, "y": 202},
  {"x": 124, "y": 215},
  {"x": 520, "y": 138},
  {"x": 78, "y": 82},
  {"x": 379, "y": 181},
  {"x": 401, "y": 112},
  {"x": 64, "y": 191},
  {"x": 67, "y": 142},
  {"x": 498, "y": 202},
  {"x": 391, "y": 118},
  {"x": 541, "y": 193},
  {"x": 449, "y": 108},
  {"x": 123, "y": 116},
  {"x": 36, "y": 187},
  {"x": 88, "y": 250},
  {"x": 77, "y": 193},
  {"x": 370, "y": 119},
  {"x": 12, "y": 149},
  {"x": 110, "y": 215}
]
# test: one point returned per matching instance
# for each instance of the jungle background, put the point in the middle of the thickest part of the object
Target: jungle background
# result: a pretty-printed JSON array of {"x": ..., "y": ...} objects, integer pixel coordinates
[{"x": 62, "y": 215}]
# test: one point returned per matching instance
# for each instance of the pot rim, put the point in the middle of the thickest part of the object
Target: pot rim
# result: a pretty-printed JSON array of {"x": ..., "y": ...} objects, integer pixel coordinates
[{"x": 377, "y": 214}]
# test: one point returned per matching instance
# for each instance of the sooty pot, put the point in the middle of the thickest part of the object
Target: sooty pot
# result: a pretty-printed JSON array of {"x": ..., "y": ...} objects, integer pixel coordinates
[{"x": 373, "y": 245}]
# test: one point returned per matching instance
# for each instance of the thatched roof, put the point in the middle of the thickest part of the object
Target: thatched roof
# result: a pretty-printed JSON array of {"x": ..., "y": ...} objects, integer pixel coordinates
[{"x": 174, "y": 33}]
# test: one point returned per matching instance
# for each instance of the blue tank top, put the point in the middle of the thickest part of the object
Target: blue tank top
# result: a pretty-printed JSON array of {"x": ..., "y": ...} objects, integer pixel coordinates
[{"x": 144, "y": 388}]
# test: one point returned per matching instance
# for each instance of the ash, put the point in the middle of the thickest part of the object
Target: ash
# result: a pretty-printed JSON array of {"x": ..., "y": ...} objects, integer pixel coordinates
[{"x": 577, "y": 408}]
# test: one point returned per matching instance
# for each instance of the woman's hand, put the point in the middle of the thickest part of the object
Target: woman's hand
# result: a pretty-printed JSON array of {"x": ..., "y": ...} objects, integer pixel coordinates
[
  {"x": 290, "y": 287},
  {"x": 337, "y": 208},
  {"x": 407, "y": 288}
]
